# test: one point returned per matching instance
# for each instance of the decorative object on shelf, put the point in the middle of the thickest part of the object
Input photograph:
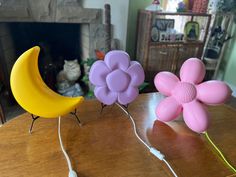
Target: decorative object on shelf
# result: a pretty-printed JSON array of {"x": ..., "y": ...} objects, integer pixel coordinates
[
  {"x": 161, "y": 29},
  {"x": 155, "y": 6},
  {"x": 154, "y": 34},
  {"x": 164, "y": 37},
  {"x": 190, "y": 5},
  {"x": 164, "y": 24},
  {"x": 189, "y": 94},
  {"x": 171, "y": 37},
  {"x": 200, "y": 6},
  {"x": 116, "y": 79},
  {"x": 192, "y": 30},
  {"x": 181, "y": 7}
]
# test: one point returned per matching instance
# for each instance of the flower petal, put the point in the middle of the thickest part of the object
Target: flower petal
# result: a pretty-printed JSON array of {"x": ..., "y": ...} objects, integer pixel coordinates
[
  {"x": 192, "y": 70},
  {"x": 168, "y": 109},
  {"x": 196, "y": 116},
  {"x": 104, "y": 95},
  {"x": 128, "y": 96},
  {"x": 165, "y": 82},
  {"x": 117, "y": 59},
  {"x": 98, "y": 73},
  {"x": 136, "y": 73},
  {"x": 213, "y": 92}
]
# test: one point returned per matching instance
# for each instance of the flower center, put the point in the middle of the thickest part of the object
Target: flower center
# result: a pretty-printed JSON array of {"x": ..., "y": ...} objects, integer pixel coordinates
[
  {"x": 118, "y": 80},
  {"x": 184, "y": 92}
]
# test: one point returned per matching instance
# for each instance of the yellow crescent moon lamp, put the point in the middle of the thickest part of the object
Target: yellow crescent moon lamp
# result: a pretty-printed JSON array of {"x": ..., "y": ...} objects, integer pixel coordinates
[{"x": 36, "y": 97}]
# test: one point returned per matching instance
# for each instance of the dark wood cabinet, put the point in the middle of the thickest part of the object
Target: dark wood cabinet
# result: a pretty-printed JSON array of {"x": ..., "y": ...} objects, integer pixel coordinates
[{"x": 168, "y": 56}]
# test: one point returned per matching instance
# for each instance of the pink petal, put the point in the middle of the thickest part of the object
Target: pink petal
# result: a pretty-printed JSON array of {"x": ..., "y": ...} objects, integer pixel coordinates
[
  {"x": 196, "y": 116},
  {"x": 168, "y": 109},
  {"x": 165, "y": 82},
  {"x": 136, "y": 73},
  {"x": 128, "y": 96},
  {"x": 98, "y": 73},
  {"x": 193, "y": 71},
  {"x": 213, "y": 92},
  {"x": 117, "y": 59},
  {"x": 104, "y": 95}
]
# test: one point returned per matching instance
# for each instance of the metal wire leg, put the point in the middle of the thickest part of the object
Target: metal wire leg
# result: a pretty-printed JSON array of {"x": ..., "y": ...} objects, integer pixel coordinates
[
  {"x": 103, "y": 106},
  {"x": 74, "y": 114},
  {"x": 32, "y": 123},
  {"x": 126, "y": 108}
]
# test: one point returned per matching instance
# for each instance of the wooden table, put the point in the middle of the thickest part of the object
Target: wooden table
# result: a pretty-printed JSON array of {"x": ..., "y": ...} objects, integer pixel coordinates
[{"x": 105, "y": 146}]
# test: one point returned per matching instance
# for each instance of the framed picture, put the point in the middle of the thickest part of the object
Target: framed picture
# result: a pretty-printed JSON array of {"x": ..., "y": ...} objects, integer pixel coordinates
[
  {"x": 154, "y": 34},
  {"x": 164, "y": 24},
  {"x": 192, "y": 30}
]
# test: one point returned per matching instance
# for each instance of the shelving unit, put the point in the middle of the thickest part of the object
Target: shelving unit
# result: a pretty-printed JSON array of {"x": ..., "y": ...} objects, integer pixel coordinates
[
  {"x": 168, "y": 56},
  {"x": 212, "y": 63}
]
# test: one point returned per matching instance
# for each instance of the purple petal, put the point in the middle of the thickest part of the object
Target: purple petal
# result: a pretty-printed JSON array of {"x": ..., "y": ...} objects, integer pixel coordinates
[
  {"x": 117, "y": 59},
  {"x": 196, "y": 116},
  {"x": 165, "y": 82},
  {"x": 118, "y": 80},
  {"x": 98, "y": 73},
  {"x": 168, "y": 109},
  {"x": 136, "y": 73},
  {"x": 104, "y": 95},
  {"x": 128, "y": 96},
  {"x": 193, "y": 71},
  {"x": 213, "y": 92}
]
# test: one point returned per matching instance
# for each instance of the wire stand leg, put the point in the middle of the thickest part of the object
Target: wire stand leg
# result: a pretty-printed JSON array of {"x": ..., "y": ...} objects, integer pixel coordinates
[
  {"x": 126, "y": 108},
  {"x": 103, "y": 106},
  {"x": 32, "y": 123},
  {"x": 74, "y": 114}
]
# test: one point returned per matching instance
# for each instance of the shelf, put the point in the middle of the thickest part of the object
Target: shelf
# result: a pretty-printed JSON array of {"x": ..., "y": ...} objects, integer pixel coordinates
[
  {"x": 167, "y": 55},
  {"x": 176, "y": 43},
  {"x": 177, "y": 13}
]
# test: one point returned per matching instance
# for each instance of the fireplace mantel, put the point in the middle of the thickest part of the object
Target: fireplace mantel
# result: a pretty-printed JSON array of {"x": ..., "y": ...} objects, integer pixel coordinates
[{"x": 53, "y": 11}]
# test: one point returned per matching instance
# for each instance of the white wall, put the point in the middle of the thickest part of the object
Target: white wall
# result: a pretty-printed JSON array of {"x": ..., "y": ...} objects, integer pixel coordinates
[{"x": 119, "y": 16}]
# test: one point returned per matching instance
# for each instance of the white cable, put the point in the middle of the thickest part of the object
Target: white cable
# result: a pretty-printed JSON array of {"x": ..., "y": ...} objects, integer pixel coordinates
[
  {"x": 72, "y": 173},
  {"x": 153, "y": 150},
  {"x": 134, "y": 125},
  {"x": 171, "y": 169}
]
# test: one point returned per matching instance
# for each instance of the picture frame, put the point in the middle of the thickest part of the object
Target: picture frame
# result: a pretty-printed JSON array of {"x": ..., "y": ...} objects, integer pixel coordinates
[
  {"x": 192, "y": 31},
  {"x": 163, "y": 24},
  {"x": 154, "y": 34}
]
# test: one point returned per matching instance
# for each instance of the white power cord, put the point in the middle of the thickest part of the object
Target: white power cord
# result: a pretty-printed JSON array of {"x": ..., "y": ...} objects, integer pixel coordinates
[
  {"x": 72, "y": 173},
  {"x": 153, "y": 150}
]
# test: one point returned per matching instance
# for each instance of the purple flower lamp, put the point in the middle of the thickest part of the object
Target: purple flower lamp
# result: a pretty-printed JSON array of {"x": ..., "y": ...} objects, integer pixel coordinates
[{"x": 116, "y": 79}]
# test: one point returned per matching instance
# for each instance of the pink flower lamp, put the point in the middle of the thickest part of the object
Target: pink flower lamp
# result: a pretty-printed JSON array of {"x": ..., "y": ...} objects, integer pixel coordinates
[
  {"x": 189, "y": 95},
  {"x": 116, "y": 79}
]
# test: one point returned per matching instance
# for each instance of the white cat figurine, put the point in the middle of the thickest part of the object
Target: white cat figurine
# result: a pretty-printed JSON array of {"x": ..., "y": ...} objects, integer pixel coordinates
[{"x": 71, "y": 71}]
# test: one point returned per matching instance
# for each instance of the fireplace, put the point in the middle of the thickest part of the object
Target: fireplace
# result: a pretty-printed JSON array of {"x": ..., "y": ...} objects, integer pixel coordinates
[
  {"x": 58, "y": 42},
  {"x": 62, "y": 28}
]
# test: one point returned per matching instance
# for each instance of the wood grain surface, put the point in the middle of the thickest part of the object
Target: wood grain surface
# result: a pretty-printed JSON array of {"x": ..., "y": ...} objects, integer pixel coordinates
[{"x": 105, "y": 146}]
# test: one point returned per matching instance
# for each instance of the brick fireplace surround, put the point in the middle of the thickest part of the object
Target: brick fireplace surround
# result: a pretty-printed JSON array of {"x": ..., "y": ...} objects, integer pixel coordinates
[{"x": 92, "y": 31}]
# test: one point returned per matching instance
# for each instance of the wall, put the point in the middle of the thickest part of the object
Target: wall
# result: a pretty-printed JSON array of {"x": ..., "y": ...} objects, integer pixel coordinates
[
  {"x": 134, "y": 6},
  {"x": 230, "y": 59},
  {"x": 119, "y": 16}
]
